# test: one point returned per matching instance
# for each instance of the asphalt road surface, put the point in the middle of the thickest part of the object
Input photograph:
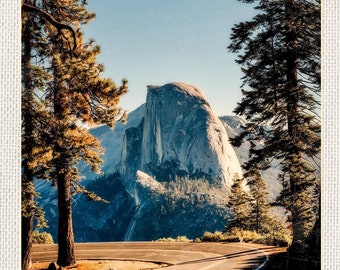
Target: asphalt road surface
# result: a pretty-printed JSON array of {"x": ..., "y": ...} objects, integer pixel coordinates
[{"x": 178, "y": 255}]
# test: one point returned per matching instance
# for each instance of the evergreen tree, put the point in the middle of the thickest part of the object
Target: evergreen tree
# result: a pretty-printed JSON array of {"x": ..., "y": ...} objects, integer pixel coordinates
[
  {"x": 260, "y": 218},
  {"x": 27, "y": 195},
  {"x": 280, "y": 57},
  {"x": 249, "y": 205},
  {"x": 73, "y": 92},
  {"x": 35, "y": 150},
  {"x": 239, "y": 205},
  {"x": 76, "y": 93},
  {"x": 86, "y": 97}
]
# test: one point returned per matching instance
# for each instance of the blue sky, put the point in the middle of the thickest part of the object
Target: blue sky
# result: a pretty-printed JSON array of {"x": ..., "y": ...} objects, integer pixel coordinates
[{"x": 161, "y": 41}]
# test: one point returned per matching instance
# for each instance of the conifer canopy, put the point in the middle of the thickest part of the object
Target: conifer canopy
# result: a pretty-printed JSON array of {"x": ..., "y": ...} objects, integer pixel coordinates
[
  {"x": 279, "y": 52},
  {"x": 62, "y": 89}
]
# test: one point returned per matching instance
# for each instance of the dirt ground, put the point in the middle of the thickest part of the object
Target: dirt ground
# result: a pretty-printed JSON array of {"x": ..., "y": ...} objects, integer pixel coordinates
[{"x": 104, "y": 265}]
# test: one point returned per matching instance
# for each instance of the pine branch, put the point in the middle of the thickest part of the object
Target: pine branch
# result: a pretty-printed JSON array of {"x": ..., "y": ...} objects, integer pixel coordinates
[
  {"x": 49, "y": 18},
  {"x": 91, "y": 196}
]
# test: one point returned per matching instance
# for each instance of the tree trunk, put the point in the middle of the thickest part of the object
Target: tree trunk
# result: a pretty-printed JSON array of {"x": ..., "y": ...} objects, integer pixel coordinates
[
  {"x": 27, "y": 225},
  {"x": 27, "y": 186},
  {"x": 66, "y": 255},
  {"x": 292, "y": 120}
]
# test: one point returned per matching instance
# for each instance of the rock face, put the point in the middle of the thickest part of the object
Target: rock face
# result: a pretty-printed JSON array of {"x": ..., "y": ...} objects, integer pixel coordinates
[{"x": 179, "y": 135}]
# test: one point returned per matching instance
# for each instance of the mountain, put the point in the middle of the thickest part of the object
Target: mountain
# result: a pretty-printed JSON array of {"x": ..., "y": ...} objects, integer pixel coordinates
[
  {"x": 167, "y": 172},
  {"x": 179, "y": 135}
]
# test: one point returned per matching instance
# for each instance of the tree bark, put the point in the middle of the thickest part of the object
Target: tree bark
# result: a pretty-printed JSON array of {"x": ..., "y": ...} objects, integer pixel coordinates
[
  {"x": 66, "y": 255},
  {"x": 27, "y": 186},
  {"x": 26, "y": 229}
]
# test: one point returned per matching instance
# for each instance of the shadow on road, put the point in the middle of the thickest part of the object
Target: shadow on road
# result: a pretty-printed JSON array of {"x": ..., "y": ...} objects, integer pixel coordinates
[
  {"x": 251, "y": 262},
  {"x": 281, "y": 261},
  {"x": 255, "y": 263}
]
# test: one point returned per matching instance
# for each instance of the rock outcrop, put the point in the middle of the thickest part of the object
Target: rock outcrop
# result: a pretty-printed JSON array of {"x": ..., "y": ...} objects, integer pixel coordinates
[{"x": 179, "y": 135}]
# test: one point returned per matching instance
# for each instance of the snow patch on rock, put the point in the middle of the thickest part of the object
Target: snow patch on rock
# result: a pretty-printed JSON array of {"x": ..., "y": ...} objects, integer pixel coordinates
[{"x": 146, "y": 181}]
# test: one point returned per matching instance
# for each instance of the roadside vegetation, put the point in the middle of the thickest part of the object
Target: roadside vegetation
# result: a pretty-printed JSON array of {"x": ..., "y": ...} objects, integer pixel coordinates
[
  {"x": 177, "y": 239},
  {"x": 41, "y": 237},
  {"x": 239, "y": 235}
]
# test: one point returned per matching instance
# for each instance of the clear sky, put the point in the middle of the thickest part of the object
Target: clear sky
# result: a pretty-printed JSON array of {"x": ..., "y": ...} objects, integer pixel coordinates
[{"x": 161, "y": 41}]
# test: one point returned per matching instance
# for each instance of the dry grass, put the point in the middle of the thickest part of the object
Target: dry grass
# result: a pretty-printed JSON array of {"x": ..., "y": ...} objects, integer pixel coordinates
[{"x": 104, "y": 265}]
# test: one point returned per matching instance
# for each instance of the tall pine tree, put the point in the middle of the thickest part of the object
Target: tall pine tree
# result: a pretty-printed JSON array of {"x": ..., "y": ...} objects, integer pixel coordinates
[
  {"x": 279, "y": 51},
  {"x": 74, "y": 92},
  {"x": 35, "y": 119},
  {"x": 28, "y": 141},
  {"x": 77, "y": 93}
]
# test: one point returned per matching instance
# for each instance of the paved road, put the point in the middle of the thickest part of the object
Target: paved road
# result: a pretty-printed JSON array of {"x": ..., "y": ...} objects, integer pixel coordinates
[{"x": 203, "y": 256}]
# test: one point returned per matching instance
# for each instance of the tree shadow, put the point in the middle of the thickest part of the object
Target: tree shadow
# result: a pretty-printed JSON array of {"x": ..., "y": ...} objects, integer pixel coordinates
[
  {"x": 255, "y": 263},
  {"x": 281, "y": 261},
  {"x": 252, "y": 263}
]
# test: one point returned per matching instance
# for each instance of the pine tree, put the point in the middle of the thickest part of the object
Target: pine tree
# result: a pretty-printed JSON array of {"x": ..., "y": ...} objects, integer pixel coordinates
[
  {"x": 239, "y": 205},
  {"x": 76, "y": 93},
  {"x": 27, "y": 196},
  {"x": 73, "y": 92},
  {"x": 249, "y": 205},
  {"x": 260, "y": 219},
  {"x": 82, "y": 96},
  {"x": 280, "y": 57},
  {"x": 35, "y": 149}
]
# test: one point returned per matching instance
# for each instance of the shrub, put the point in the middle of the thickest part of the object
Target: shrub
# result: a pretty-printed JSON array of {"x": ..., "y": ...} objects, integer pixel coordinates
[
  {"x": 163, "y": 239},
  {"x": 182, "y": 239},
  {"x": 239, "y": 235},
  {"x": 233, "y": 238},
  {"x": 198, "y": 240},
  {"x": 170, "y": 239},
  {"x": 41, "y": 238},
  {"x": 275, "y": 239},
  {"x": 213, "y": 237},
  {"x": 250, "y": 236}
]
